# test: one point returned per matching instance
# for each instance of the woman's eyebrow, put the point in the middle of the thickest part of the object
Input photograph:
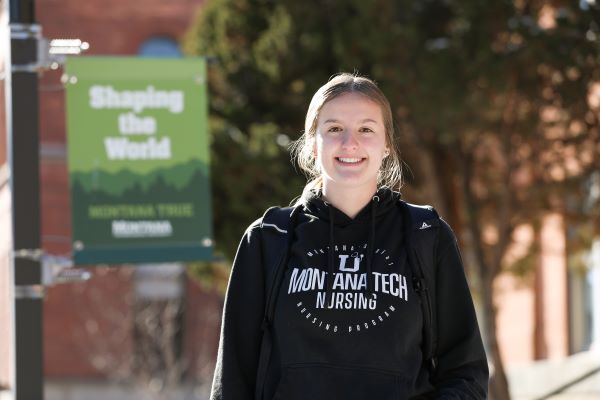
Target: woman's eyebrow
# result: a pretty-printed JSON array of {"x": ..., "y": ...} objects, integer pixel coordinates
[{"x": 330, "y": 120}]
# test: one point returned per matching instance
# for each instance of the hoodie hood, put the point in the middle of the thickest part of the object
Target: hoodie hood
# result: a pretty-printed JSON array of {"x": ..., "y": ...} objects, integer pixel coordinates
[{"x": 316, "y": 207}]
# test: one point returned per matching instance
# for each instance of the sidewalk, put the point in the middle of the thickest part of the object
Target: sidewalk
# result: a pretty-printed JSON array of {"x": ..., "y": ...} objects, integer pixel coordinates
[
  {"x": 587, "y": 389},
  {"x": 573, "y": 378}
]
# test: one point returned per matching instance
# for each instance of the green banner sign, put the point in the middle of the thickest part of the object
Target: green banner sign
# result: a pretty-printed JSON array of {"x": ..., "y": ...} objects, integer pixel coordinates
[{"x": 138, "y": 160}]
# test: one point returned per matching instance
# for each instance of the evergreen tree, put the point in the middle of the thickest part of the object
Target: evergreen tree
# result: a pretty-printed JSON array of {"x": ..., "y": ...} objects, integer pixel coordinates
[{"x": 494, "y": 102}]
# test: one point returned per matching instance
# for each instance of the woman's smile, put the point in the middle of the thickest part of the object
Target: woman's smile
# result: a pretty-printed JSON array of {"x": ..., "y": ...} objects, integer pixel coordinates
[{"x": 350, "y": 161}]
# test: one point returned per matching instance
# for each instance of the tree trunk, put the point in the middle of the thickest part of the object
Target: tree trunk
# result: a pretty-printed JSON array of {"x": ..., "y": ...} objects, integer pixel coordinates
[
  {"x": 426, "y": 165},
  {"x": 486, "y": 271},
  {"x": 498, "y": 389}
]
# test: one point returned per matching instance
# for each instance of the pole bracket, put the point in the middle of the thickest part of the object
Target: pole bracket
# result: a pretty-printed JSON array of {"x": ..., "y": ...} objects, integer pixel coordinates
[{"x": 29, "y": 291}]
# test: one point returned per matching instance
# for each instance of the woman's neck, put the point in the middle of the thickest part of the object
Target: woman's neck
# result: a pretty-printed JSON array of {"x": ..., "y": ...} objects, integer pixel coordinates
[{"x": 348, "y": 200}]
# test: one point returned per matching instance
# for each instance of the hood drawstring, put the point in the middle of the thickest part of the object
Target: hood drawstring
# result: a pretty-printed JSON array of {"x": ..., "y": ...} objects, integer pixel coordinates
[
  {"x": 371, "y": 246},
  {"x": 330, "y": 261},
  {"x": 329, "y": 278}
]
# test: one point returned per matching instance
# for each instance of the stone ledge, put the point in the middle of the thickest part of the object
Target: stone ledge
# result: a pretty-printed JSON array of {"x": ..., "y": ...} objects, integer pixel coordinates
[{"x": 576, "y": 375}]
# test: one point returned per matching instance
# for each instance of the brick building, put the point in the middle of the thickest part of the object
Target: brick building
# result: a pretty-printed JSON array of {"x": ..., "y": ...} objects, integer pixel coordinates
[
  {"x": 91, "y": 334},
  {"x": 109, "y": 306}
]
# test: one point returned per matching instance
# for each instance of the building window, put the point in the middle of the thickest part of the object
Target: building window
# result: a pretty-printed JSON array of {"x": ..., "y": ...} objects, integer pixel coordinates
[
  {"x": 158, "y": 324},
  {"x": 162, "y": 47}
]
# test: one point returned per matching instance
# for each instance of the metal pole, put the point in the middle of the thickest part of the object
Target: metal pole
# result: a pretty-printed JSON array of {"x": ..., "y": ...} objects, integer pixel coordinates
[{"x": 23, "y": 148}]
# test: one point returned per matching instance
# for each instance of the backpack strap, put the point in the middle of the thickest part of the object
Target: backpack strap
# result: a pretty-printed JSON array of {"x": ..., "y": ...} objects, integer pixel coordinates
[
  {"x": 276, "y": 223},
  {"x": 421, "y": 224}
]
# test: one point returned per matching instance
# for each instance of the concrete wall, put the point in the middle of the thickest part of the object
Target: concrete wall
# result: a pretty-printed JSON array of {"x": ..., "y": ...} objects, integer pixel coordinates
[{"x": 6, "y": 302}]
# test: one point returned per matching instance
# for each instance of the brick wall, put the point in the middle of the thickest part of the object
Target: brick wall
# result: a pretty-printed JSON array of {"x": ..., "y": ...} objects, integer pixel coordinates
[
  {"x": 202, "y": 327},
  {"x": 88, "y": 329}
]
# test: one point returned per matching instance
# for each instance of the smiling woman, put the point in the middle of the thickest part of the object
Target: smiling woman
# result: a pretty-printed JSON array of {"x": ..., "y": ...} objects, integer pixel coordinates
[
  {"x": 338, "y": 296},
  {"x": 352, "y": 111}
]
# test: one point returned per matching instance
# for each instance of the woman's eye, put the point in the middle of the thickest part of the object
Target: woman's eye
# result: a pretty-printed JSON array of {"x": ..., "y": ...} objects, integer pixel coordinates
[
  {"x": 366, "y": 130},
  {"x": 334, "y": 129}
]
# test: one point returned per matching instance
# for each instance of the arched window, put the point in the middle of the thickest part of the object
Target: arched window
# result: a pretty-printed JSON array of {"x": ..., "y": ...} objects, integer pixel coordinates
[{"x": 160, "y": 47}]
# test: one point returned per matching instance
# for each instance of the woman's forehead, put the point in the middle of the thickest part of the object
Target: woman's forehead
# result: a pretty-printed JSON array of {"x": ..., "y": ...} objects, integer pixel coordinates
[{"x": 353, "y": 106}]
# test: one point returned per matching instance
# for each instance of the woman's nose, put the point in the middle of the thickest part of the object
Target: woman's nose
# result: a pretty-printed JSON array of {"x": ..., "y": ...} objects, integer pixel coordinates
[{"x": 349, "y": 140}]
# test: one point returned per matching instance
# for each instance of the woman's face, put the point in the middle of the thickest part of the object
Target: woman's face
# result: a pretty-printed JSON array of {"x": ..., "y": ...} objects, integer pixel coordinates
[{"x": 350, "y": 142}]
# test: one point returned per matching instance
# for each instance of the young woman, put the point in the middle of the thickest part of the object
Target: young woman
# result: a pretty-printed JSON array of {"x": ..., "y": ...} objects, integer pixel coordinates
[{"x": 343, "y": 313}]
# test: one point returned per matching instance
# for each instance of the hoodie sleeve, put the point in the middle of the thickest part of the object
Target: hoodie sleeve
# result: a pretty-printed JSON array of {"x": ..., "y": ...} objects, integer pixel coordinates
[
  {"x": 239, "y": 345},
  {"x": 462, "y": 369}
]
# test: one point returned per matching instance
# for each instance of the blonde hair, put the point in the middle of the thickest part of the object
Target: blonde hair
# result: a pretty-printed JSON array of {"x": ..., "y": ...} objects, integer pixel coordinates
[{"x": 390, "y": 174}]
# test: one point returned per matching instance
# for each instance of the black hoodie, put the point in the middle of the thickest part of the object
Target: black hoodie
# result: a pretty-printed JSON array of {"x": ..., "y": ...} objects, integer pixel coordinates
[{"x": 348, "y": 323}]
